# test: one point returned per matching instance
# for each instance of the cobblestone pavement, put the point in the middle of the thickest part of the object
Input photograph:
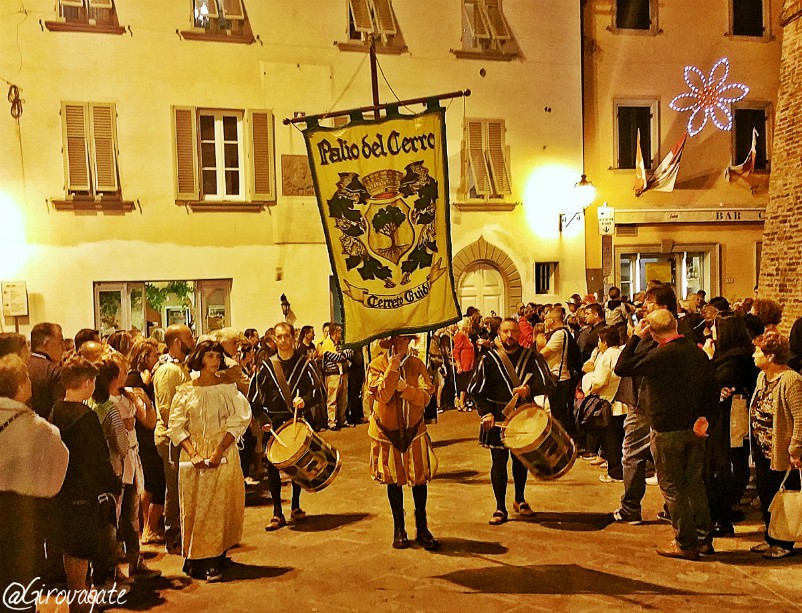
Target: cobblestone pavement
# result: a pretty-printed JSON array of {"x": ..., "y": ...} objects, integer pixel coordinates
[{"x": 568, "y": 557}]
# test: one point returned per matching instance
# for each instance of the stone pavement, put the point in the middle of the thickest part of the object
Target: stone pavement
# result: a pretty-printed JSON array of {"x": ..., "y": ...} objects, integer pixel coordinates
[{"x": 569, "y": 557}]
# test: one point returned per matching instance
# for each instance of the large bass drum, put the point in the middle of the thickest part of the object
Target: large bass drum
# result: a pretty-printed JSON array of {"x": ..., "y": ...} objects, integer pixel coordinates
[
  {"x": 308, "y": 459},
  {"x": 539, "y": 441}
]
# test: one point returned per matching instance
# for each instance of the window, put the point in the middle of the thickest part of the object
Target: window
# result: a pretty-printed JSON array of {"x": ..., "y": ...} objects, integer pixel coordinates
[
  {"x": 373, "y": 19},
  {"x": 220, "y": 21},
  {"x": 89, "y": 132},
  {"x": 485, "y": 31},
  {"x": 487, "y": 170},
  {"x": 746, "y": 120},
  {"x": 545, "y": 277},
  {"x": 224, "y": 157},
  {"x": 748, "y": 18},
  {"x": 98, "y": 16},
  {"x": 631, "y": 117},
  {"x": 635, "y": 16}
]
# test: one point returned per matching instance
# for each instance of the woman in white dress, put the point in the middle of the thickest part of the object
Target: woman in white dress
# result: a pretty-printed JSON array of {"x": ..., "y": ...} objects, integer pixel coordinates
[{"x": 207, "y": 416}]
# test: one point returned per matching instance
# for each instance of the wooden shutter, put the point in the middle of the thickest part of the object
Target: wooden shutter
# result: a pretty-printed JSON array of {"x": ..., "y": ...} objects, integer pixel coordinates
[
  {"x": 211, "y": 8},
  {"x": 103, "y": 143},
  {"x": 262, "y": 161},
  {"x": 186, "y": 153},
  {"x": 498, "y": 25},
  {"x": 360, "y": 14},
  {"x": 76, "y": 146},
  {"x": 101, "y": 4},
  {"x": 497, "y": 156},
  {"x": 476, "y": 157},
  {"x": 383, "y": 12},
  {"x": 233, "y": 9},
  {"x": 476, "y": 20}
]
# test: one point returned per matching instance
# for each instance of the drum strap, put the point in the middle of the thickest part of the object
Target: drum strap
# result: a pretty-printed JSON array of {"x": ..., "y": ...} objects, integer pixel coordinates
[
  {"x": 505, "y": 360},
  {"x": 283, "y": 386}
]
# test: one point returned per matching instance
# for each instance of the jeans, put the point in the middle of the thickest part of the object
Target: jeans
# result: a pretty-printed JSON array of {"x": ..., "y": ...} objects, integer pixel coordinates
[
  {"x": 768, "y": 482},
  {"x": 172, "y": 513},
  {"x": 612, "y": 445},
  {"x": 636, "y": 453},
  {"x": 679, "y": 458}
]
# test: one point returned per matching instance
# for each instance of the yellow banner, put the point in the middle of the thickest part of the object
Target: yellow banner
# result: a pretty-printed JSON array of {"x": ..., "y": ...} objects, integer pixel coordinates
[{"x": 382, "y": 190}]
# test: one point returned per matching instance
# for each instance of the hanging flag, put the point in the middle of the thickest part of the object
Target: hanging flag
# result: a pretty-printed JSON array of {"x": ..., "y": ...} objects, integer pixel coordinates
[
  {"x": 665, "y": 175},
  {"x": 640, "y": 168},
  {"x": 382, "y": 191},
  {"x": 748, "y": 165}
]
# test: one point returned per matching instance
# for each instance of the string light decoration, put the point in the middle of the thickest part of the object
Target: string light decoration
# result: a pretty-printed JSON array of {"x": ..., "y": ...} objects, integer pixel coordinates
[{"x": 709, "y": 97}]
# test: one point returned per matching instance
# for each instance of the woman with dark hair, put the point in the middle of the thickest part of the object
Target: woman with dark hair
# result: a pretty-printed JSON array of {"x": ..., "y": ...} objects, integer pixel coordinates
[
  {"x": 207, "y": 416},
  {"x": 795, "y": 341},
  {"x": 144, "y": 356},
  {"x": 122, "y": 341},
  {"x": 776, "y": 430},
  {"x": 727, "y": 460},
  {"x": 769, "y": 312}
]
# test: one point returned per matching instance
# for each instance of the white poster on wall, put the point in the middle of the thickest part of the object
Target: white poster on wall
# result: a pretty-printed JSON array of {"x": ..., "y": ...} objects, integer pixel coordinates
[{"x": 15, "y": 299}]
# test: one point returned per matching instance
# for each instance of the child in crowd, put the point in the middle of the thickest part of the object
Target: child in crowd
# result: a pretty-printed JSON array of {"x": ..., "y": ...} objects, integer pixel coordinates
[{"x": 90, "y": 481}]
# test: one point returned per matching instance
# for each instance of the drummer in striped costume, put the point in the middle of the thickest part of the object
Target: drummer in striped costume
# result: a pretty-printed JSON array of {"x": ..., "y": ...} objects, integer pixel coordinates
[
  {"x": 284, "y": 384},
  {"x": 400, "y": 450},
  {"x": 501, "y": 374}
]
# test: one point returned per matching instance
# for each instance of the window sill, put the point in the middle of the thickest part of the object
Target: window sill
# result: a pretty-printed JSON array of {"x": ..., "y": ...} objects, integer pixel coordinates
[
  {"x": 225, "y": 206},
  {"x": 493, "y": 206},
  {"x": 83, "y": 203},
  {"x": 651, "y": 31},
  {"x": 246, "y": 38},
  {"x": 749, "y": 38},
  {"x": 362, "y": 47},
  {"x": 484, "y": 54},
  {"x": 63, "y": 26}
]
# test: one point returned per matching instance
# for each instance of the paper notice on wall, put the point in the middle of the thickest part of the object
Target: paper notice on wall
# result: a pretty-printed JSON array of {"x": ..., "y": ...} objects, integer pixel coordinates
[{"x": 15, "y": 299}]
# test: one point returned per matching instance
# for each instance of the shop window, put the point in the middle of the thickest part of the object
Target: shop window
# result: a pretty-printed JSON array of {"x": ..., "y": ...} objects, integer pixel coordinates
[
  {"x": 635, "y": 15},
  {"x": 487, "y": 170},
  {"x": 89, "y": 137},
  {"x": 224, "y": 159},
  {"x": 746, "y": 121},
  {"x": 219, "y": 21},
  {"x": 485, "y": 31},
  {"x": 633, "y": 118},
  {"x": 203, "y": 305},
  {"x": 372, "y": 20},
  {"x": 98, "y": 16},
  {"x": 545, "y": 273},
  {"x": 748, "y": 18}
]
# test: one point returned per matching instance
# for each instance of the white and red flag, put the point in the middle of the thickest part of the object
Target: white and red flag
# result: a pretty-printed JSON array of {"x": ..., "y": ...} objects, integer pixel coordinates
[
  {"x": 748, "y": 165},
  {"x": 665, "y": 175}
]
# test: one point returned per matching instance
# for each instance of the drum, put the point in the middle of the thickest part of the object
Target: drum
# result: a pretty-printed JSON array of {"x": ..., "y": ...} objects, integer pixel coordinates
[
  {"x": 309, "y": 460},
  {"x": 539, "y": 441}
]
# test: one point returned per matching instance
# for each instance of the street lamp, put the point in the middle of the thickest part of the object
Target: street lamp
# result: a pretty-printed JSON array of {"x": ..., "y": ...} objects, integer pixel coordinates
[
  {"x": 584, "y": 193},
  {"x": 285, "y": 305}
]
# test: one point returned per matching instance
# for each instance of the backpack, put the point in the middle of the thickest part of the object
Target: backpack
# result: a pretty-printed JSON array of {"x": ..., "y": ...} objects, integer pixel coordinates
[{"x": 591, "y": 411}]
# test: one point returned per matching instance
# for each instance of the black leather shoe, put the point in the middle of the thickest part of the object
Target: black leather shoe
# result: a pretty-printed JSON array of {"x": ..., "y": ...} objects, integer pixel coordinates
[
  {"x": 426, "y": 540},
  {"x": 706, "y": 549},
  {"x": 400, "y": 540}
]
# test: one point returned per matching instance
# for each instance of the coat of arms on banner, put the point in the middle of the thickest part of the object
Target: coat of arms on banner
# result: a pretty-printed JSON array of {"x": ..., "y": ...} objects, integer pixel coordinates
[{"x": 385, "y": 207}]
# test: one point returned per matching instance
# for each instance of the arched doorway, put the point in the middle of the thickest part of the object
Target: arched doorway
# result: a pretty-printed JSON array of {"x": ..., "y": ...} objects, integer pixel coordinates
[
  {"x": 482, "y": 286},
  {"x": 499, "y": 279}
]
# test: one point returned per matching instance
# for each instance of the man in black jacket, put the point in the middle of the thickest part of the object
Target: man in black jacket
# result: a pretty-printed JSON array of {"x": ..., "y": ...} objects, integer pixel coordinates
[{"x": 680, "y": 384}]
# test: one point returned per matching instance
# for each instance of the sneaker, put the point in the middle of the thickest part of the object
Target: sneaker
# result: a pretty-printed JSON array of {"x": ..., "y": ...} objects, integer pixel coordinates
[
  {"x": 651, "y": 480},
  {"x": 775, "y": 552},
  {"x": 214, "y": 574},
  {"x": 588, "y": 457},
  {"x": 620, "y": 516},
  {"x": 597, "y": 461},
  {"x": 605, "y": 478},
  {"x": 663, "y": 516},
  {"x": 760, "y": 547},
  {"x": 142, "y": 571}
]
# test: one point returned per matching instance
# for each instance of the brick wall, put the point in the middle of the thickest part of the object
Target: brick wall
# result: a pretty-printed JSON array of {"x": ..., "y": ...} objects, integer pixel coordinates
[{"x": 781, "y": 265}]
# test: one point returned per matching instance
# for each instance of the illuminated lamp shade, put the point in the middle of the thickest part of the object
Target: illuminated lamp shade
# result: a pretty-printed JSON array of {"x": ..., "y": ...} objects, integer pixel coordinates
[
  {"x": 709, "y": 97},
  {"x": 585, "y": 192}
]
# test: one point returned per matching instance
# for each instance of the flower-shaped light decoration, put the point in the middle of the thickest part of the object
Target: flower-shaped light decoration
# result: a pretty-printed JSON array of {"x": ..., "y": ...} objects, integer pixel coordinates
[{"x": 709, "y": 98}]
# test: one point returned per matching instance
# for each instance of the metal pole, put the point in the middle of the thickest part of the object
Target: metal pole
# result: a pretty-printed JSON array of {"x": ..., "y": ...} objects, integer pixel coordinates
[{"x": 374, "y": 77}]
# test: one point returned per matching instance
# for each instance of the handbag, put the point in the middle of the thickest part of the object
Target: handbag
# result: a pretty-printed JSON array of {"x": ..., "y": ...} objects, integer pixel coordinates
[{"x": 786, "y": 513}]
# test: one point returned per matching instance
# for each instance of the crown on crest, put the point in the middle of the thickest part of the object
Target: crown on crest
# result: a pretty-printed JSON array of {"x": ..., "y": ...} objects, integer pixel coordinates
[{"x": 383, "y": 182}]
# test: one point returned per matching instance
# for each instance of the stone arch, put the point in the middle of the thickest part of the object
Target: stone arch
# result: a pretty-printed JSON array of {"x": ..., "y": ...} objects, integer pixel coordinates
[{"x": 482, "y": 251}]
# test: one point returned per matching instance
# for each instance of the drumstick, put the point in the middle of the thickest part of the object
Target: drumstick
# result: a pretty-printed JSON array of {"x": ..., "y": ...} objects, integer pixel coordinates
[
  {"x": 278, "y": 438},
  {"x": 295, "y": 409}
]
